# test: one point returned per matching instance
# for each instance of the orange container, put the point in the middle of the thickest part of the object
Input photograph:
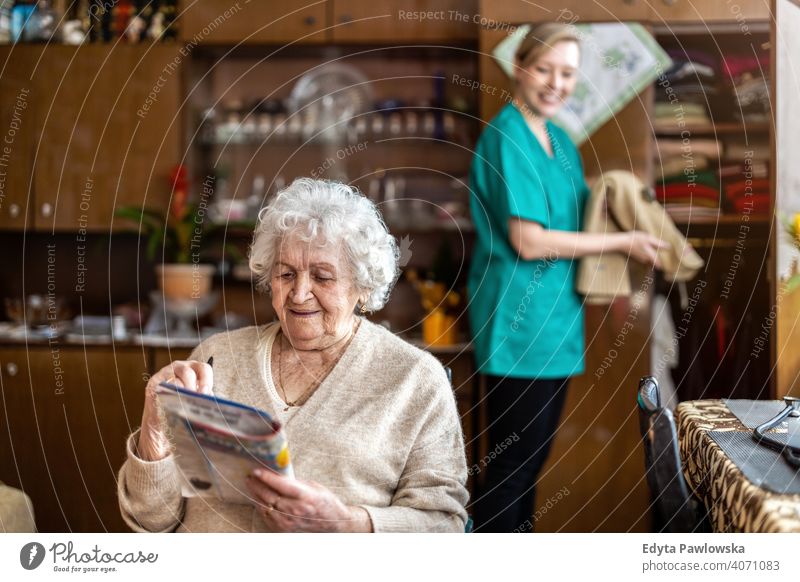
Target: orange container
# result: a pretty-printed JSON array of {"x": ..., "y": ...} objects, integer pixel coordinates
[{"x": 439, "y": 329}]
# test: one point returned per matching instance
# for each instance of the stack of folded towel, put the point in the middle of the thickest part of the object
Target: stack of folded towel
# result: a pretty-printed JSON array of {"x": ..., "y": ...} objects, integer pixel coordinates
[
  {"x": 746, "y": 187},
  {"x": 748, "y": 76},
  {"x": 692, "y": 80},
  {"x": 685, "y": 184}
]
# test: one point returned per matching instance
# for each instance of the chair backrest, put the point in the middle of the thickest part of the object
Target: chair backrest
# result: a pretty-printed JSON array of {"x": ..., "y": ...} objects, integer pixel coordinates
[
  {"x": 675, "y": 508},
  {"x": 469, "y": 525}
]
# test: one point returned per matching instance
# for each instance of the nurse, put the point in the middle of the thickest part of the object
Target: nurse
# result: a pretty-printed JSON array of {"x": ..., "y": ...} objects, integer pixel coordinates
[{"x": 528, "y": 197}]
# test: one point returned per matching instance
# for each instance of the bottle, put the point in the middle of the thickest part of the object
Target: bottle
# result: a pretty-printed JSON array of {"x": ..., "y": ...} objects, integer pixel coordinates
[
  {"x": 42, "y": 24},
  {"x": 137, "y": 26},
  {"x": 93, "y": 21},
  {"x": 257, "y": 196},
  {"x": 20, "y": 17},
  {"x": 107, "y": 22},
  {"x": 121, "y": 16},
  {"x": 73, "y": 28},
  {"x": 5, "y": 21},
  {"x": 82, "y": 13},
  {"x": 170, "y": 10}
]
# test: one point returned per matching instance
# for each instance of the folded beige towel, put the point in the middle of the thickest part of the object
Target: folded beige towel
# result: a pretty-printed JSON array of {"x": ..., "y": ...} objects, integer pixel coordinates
[
  {"x": 669, "y": 148},
  {"x": 620, "y": 202}
]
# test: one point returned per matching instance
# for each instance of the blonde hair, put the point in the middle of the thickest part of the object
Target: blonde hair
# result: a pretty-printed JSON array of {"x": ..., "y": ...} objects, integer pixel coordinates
[{"x": 541, "y": 38}]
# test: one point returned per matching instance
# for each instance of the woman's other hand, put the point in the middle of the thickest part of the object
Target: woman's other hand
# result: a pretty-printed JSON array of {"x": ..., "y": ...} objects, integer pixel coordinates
[
  {"x": 293, "y": 505},
  {"x": 192, "y": 375},
  {"x": 643, "y": 247}
]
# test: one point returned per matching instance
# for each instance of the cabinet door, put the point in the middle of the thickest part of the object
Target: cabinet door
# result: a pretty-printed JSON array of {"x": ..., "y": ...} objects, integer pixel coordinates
[
  {"x": 164, "y": 356},
  {"x": 62, "y": 437},
  {"x": 220, "y": 22},
  {"x": 18, "y": 65},
  {"x": 411, "y": 21},
  {"x": 570, "y": 11},
  {"x": 702, "y": 11},
  {"x": 110, "y": 132}
]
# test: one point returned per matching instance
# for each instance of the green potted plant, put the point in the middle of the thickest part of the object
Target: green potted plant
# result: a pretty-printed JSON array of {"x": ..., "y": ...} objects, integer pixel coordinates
[{"x": 177, "y": 235}]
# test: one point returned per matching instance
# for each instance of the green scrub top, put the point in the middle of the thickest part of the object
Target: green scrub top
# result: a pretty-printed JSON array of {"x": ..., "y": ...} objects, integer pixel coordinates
[{"x": 526, "y": 316}]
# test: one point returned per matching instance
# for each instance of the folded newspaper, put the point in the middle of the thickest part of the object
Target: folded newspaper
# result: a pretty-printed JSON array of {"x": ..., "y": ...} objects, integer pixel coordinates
[{"x": 217, "y": 443}]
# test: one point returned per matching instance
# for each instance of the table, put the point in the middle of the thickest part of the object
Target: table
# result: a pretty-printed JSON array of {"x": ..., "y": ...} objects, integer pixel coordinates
[{"x": 734, "y": 503}]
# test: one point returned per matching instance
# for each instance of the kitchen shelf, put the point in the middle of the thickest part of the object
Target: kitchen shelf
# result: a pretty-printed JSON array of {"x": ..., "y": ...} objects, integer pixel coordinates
[
  {"x": 718, "y": 129},
  {"x": 726, "y": 219}
]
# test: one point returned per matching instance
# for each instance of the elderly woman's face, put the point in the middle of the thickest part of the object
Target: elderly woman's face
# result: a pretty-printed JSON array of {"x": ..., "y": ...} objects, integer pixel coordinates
[
  {"x": 549, "y": 80},
  {"x": 313, "y": 293}
]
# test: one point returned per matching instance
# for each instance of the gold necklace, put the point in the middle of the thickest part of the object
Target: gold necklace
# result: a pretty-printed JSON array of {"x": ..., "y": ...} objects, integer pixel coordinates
[{"x": 306, "y": 394}]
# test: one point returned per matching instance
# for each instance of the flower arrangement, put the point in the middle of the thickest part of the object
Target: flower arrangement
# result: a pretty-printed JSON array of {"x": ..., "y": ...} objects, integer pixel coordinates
[
  {"x": 172, "y": 233},
  {"x": 178, "y": 233}
]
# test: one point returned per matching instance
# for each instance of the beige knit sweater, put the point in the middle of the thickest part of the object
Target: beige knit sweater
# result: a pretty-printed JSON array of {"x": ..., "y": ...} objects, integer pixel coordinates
[{"x": 382, "y": 432}]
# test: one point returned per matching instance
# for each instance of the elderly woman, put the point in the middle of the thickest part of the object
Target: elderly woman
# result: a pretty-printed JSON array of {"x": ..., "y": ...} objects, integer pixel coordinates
[{"x": 371, "y": 420}]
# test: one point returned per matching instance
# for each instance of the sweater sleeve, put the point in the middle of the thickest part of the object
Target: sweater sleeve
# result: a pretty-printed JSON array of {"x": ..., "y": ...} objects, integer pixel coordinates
[
  {"x": 431, "y": 493},
  {"x": 149, "y": 492}
]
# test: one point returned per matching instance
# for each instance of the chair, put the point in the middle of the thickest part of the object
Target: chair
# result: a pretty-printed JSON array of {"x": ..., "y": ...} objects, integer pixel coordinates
[
  {"x": 16, "y": 511},
  {"x": 676, "y": 510},
  {"x": 468, "y": 526}
]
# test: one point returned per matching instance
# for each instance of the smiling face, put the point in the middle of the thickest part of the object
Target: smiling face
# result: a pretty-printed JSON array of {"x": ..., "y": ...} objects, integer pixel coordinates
[
  {"x": 546, "y": 83},
  {"x": 313, "y": 294}
]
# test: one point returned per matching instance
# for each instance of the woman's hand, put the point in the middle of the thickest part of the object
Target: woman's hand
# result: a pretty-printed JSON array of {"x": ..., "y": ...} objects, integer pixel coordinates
[
  {"x": 643, "y": 247},
  {"x": 192, "y": 375},
  {"x": 292, "y": 505}
]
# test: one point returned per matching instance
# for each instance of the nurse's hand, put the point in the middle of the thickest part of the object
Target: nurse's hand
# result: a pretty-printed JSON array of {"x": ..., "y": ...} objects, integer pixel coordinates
[{"x": 643, "y": 247}]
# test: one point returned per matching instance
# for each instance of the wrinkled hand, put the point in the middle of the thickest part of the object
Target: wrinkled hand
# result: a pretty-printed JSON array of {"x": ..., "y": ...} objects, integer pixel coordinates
[
  {"x": 293, "y": 505},
  {"x": 192, "y": 375},
  {"x": 643, "y": 248}
]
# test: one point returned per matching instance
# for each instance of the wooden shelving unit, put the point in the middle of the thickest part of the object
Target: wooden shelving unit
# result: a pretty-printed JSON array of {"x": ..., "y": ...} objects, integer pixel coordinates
[{"x": 723, "y": 128}]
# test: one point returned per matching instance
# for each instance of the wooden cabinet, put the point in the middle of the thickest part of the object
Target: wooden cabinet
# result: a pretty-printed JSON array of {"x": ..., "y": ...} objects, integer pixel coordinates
[
  {"x": 18, "y": 123},
  {"x": 656, "y": 11},
  {"x": 340, "y": 21},
  {"x": 223, "y": 22},
  {"x": 163, "y": 356},
  {"x": 568, "y": 11},
  {"x": 110, "y": 133},
  {"x": 100, "y": 129},
  {"x": 397, "y": 21},
  {"x": 62, "y": 433},
  {"x": 704, "y": 11}
]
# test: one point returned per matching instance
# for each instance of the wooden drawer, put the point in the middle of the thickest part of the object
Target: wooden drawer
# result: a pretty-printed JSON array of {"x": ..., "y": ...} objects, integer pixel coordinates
[
  {"x": 395, "y": 21},
  {"x": 220, "y": 22}
]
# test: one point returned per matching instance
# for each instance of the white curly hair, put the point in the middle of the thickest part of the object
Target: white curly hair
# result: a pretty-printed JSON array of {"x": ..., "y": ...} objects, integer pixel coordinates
[{"x": 328, "y": 212}]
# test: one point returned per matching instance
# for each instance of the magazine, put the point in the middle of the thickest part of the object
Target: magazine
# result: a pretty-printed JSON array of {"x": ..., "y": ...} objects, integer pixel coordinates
[{"x": 217, "y": 443}]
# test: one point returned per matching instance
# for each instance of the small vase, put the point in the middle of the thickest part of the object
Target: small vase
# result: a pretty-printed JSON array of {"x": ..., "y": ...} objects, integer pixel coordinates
[{"x": 182, "y": 281}]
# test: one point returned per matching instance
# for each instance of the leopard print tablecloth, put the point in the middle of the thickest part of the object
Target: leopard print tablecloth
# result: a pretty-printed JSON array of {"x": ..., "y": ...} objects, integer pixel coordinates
[{"x": 733, "y": 502}]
